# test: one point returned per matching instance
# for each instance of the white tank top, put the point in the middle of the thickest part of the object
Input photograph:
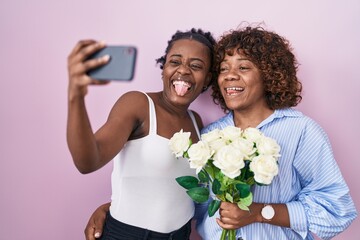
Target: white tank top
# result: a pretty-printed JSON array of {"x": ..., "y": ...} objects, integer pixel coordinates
[{"x": 144, "y": 190}]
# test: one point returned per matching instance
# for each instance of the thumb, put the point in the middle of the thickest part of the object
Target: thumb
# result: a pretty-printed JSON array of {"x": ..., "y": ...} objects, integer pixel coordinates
[
  {"x": 97, "y": 234},
  {"x": 98, "y": 228}
]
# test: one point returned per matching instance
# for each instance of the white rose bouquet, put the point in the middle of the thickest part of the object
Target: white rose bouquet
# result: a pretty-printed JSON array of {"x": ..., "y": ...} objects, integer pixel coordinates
[{"x": 229, "y": 161}]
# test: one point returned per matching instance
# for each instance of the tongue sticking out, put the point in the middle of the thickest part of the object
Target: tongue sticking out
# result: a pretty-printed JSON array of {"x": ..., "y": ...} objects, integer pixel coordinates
[{"x": 181, "y": 88}]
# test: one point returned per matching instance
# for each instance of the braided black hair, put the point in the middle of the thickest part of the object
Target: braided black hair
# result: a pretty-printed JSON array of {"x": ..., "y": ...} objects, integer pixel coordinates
[{"x": 199, "y": 35}]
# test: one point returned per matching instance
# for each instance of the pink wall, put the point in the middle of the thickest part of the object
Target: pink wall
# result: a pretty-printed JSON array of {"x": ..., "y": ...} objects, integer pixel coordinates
[{"x": 42, "y": 194}]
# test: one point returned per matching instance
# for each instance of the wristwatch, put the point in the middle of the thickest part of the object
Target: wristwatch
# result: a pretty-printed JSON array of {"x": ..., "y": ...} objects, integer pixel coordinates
[{"x": 267, "y": 212}]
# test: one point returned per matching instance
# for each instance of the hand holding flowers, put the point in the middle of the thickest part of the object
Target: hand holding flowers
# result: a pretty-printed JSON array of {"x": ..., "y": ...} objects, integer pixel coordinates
[{"x": 230, "y": 161}]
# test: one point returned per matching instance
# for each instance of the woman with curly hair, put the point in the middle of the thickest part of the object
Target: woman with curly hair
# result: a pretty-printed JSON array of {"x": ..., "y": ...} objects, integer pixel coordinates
[{"x": 257, "y": 86}]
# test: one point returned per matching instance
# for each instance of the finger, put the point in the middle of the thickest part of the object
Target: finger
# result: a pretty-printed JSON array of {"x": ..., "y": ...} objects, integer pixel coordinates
[
  {"x": 89, "y": 232},
  {"x": 96, "y": 62},
  {"x": 84, "y": 51},
  {"x": 75, "y": 51},
  {"x": 225, "y": 212},
  {"x": 81, "y": 44},
  {"x": 98, "y": 227},
  {"x": 80, "y": 68},
  {"x": 100, "y": 82},
  {"x": 225, "y": 225},
  {"x": 97, "y": 234},
  {"x": 90, "y": 49},
  {"x": 226, "y": 205}
]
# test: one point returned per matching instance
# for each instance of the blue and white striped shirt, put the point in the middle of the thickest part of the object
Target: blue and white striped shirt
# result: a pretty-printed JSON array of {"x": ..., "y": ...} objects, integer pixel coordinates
[{"x": 309, "y": 183}]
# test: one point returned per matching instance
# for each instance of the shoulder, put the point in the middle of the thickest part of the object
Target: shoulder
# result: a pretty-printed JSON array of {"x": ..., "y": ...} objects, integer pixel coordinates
[
  {"x": 132, "y": 100},
  {"x": 132, "y": 95},
  {"x": 129, "y": 104},
  {"x": 221, "y": 123},
  {"x": 295, "y": 118},
  {"x": 308, "y": 127},
  {"x": 309, "y": 123}
]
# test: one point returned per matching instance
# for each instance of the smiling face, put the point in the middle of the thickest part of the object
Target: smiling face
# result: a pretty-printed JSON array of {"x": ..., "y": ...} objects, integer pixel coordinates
[
  {"x": 241, "y": 85},
  {"x": 186, "y": 71}
]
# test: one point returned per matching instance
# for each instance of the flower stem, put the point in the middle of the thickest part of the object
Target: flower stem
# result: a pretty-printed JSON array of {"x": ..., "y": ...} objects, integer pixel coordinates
[
  {"x": 232, "y": 234},
  {"x": 224, "y": 233}
]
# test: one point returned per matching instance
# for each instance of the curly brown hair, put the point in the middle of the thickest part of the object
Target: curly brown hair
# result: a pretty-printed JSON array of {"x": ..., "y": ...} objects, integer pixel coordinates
[{"x": 272, "y": 54}]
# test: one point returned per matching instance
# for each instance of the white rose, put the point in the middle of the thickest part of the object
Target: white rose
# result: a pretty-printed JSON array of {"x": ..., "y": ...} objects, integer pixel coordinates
[
  {"x": 230, "y": 160},
  {"x": 265, "y": 168},
  {"x": 179, "y": 143},
  {"x": 214, "y": 139},
  {"x": 199, "y": 153},
  {"x": 211, "y": 136},
  {"x": 268, "y": 146},
  {"x": 245, "y": 146},
  {"x": 230, "y": 133},
  {"x": 218, "y": 144},
  {"x": 252, "y": 134}
]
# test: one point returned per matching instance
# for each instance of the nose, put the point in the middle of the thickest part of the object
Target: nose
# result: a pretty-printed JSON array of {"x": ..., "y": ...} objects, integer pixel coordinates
[
  {"x": 231, "y": 76},
  {"x": 183, "y": 69}
]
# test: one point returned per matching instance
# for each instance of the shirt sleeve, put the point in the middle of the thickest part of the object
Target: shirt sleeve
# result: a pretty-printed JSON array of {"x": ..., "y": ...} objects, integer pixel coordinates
[
  {"x": 201, "y": 210},
  {"x": 324, "y": 200}
]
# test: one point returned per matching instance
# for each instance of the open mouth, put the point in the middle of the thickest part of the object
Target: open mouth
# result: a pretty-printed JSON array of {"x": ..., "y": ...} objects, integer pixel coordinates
[
  {"x": 181, "y": 87},
  {"x": 231, "y": 91}
]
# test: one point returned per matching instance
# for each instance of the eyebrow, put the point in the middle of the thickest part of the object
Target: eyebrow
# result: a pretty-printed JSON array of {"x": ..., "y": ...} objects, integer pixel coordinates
[
  {"x": 239, "y": 59},
  {"x": 192, "y": 59}
]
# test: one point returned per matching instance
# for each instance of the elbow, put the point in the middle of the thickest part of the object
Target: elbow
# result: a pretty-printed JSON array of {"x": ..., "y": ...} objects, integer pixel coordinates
[{"x": 85, "y": 169}]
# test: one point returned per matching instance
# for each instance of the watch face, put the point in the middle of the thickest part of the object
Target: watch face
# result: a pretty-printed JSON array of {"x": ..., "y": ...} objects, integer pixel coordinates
[{"x": 268, "y": 212}]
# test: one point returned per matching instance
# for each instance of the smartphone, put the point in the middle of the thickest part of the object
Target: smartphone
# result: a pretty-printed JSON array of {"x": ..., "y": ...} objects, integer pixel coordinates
[{"x": 121, "y": 65}]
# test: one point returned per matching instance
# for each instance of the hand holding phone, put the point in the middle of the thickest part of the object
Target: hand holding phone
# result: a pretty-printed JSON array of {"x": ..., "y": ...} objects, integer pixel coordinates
[{"x": 121, "y": 65}]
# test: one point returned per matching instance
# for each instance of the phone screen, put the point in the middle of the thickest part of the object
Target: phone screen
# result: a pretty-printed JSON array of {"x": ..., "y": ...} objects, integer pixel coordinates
[{"x": 121, "y": 65}]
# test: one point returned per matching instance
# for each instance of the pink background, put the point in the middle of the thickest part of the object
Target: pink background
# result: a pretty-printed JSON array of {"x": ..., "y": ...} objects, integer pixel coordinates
[{"x": 43, "y": 196}]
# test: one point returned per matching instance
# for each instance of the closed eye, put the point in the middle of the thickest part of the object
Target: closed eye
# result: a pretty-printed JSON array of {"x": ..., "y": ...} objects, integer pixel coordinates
[
  {"x": 196, "y": 66},
  {"x": 243, "y": 68},
  {"x": 174, "y": 62}
]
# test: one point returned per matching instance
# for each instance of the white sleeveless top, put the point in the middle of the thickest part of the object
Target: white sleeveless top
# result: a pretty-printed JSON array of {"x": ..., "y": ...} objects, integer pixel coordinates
[{"x": 144, "y": 190}]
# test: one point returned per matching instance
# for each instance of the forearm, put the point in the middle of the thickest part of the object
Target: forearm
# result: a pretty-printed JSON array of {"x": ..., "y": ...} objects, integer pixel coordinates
[
  {"x": 281, "y": 217},
  {"x": 232, "y": 217},
  {"x": 80, "y": 137}
]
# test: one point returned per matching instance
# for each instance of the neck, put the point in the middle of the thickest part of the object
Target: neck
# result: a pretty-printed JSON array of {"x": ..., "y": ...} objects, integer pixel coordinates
[
  {"x": 168, "y": 105},
  {"x": 244, "y": 119}
]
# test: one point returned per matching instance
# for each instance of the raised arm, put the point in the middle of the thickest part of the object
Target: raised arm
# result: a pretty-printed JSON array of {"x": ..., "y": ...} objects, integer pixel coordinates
[
  {"x": 92, "y": 151},
  {"x": 80, "y": 137}
]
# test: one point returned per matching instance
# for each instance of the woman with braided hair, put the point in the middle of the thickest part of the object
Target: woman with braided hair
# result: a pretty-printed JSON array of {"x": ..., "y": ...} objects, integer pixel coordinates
[{"x": 147, "y": 202}]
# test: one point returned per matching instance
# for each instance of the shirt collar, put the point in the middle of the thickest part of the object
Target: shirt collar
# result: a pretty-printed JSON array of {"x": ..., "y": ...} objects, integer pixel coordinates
[{"x": 278, "y": 113}]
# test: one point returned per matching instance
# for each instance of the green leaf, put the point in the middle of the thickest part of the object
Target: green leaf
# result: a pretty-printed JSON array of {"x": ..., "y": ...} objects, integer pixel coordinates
[
  {"x": 243, "y": 206},
  {"x": 199, "y": 194},
  {"x": 244, "y": 203},
  {"x": 188, "y": 182},
  {"x": 209, "y": 169},
  {"x": 229, "y": 197},
  {"x": 244, "y": 190},
  {"x": 248, "y": 200},
  {"x": 250, "y": 180},
  {"x": 203, "y": 176},
  {"x": 213, "y": 207},
  {"x": 216, "y": 186}
]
